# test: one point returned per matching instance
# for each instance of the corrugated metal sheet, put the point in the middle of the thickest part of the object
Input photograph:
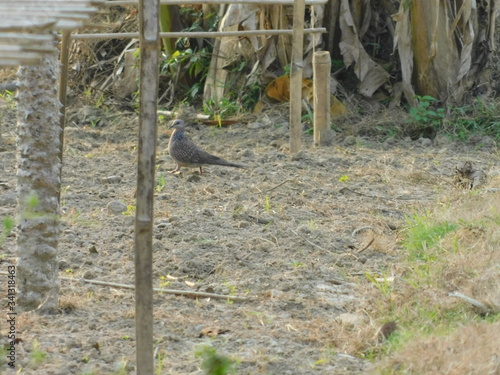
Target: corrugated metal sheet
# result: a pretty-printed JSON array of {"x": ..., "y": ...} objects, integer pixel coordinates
[{"x": 25, "y": 29}]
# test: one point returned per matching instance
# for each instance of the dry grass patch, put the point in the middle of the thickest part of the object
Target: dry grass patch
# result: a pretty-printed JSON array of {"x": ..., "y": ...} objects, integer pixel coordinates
[
  {"x": 470, "y": 350},
  {"x": 453, "y": 248}
]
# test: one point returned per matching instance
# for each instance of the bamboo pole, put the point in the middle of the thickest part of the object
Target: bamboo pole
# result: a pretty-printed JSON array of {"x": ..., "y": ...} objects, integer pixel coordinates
[
  {"x": 196, "y": 34},
  {"x": 150, "y": 53},
  {"x": 187, "y": 2},
  {"x": 296, "y": 76},
  {"x": 63, "y": 87},
  {"x": 321, "y": 70}
]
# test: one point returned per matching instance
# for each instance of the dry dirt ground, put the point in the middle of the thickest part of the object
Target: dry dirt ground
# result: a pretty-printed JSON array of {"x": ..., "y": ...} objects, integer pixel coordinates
[{"x": 295, "y": 235}]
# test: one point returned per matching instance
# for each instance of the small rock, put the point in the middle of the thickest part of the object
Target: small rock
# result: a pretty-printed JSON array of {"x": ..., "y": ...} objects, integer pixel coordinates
[
  {"x": 304, "y": 229},
  {"x": 63, "y": 264},
  {"x": 390, "y": 142},
  {"x": 424, "y": 142},
  {"x": 276, "y": 293},
  {"x": 103, "y": 194},
  {"x": 163, "y": 225},
  {"x": 111, "y": 180},
  {"x": 88, "y": 275},
  {"x": 94, "y": 353},
  {"x": 207, "y": 212},
  {"x": 442, "y": 140},
  {"x": 274, "y": 143},
  {"x": 299, "y": 156},
  {"x": 247, "y": 153},
  {"x": 349, "y": 141},
  {"x": 8, "y": 199},
  {"x": 256, "y": 125},
  {"x": 116, "y": 207},
  {"x": 193, "y": 178},
  {"x": 487, "y": 142},
  {"x": 73, "y": 343}
]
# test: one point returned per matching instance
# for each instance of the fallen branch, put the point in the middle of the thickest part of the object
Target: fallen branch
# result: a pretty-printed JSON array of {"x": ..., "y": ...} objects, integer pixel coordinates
[
  {"x": 485, "y": 309},
  {"x": 186, "y": 293}
]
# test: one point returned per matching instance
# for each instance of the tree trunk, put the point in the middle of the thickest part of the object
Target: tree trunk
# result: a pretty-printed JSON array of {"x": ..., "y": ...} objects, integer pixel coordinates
[
  {"x": 38, "y": 185},
  {"x": 446, "y": 46}
]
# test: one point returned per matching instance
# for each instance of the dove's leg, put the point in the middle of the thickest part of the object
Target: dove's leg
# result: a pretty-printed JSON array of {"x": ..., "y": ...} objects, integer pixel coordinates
[{"x": 177, "y": 168}]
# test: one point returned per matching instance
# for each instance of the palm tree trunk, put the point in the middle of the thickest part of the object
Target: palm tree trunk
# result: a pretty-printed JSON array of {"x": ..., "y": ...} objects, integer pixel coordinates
[{"x": 38, "y": 185}]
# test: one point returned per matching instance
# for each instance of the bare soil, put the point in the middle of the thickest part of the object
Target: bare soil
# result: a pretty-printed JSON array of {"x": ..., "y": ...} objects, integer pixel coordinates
[{"x": 294, "y": 234}]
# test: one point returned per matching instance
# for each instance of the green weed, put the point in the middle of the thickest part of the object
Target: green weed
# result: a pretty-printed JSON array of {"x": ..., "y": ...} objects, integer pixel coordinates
[
  {"x": 160, "y": 183},
  {"x": 214, "y": 363},
  {"x": 422, "y": 234},
  {"x": 37, "y": 355},
  {"x": 222, "y": 109},
  {"x": 423, "y": 113},
  {"x": 267, "y": 204}
]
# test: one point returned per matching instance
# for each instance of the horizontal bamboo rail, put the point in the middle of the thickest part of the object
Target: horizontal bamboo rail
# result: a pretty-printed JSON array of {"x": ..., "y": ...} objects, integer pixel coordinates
[
  {"x": 112, "y": 3},
  {"x": 195, "y": 34}
]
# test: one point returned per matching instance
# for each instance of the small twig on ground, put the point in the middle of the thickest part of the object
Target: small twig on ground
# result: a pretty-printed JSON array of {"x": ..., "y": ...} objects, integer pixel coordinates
[
  {"x": 280, "y": 184},
  {"x": 186, "y": 293},
  {"x": 378, "y": 196},
  {"x": 366, "y": 247},
  {"x": 355, "y": 231},
  {"x": 309, "y": 242},
  {"x": 345, "y": 255}
]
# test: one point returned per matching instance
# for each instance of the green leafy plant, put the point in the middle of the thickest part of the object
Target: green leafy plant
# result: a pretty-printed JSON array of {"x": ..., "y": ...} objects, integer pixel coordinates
[
  {"x": 214, "y": 363},
  {"x": 308, "y": 119},
  {"x": 130, "y": 210},
  {"x": 424, "y": 115},
  {"x": 195, "y": 63},
  {"x": 8, "y": 224},
  {"x": 222, "y": 109},
  {"x": 250, "y": 96},
  {"x": 164, "y": 282},
  {"x": 8, "y": 98}
]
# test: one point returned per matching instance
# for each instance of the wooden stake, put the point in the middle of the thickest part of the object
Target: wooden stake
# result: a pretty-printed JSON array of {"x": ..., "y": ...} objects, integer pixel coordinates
[
  {"x": 296, "y": 76},
  {"x": 323, "y": 135},
  {"x": 150, "y": 53}
]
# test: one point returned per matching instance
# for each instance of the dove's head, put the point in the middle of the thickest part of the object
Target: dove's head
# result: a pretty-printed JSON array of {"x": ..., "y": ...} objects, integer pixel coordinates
[{"x": 178, "y": 124}]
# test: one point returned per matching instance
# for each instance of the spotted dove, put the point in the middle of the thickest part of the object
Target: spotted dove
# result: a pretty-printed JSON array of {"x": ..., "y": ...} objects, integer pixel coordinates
[{"x": 186, "y": 154}]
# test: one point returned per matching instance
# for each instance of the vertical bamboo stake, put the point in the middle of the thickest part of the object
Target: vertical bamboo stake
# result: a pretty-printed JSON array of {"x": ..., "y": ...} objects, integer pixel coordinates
[
  {"x": 63, "y": 88},
  {"x": 150, "y": 53},
  {"x": 321, "y": 68},
  {"x": 296, "y": 76}
]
